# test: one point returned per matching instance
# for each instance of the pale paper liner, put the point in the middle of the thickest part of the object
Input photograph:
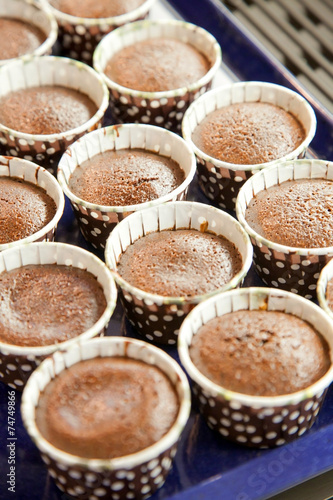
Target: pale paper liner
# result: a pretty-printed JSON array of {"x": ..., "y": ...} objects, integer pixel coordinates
[
  {"x": 220, "y": 180},
  {"x": 97, "y": 221},
  {"x": 18, "y": 362},
  {"x": 35, "y": 71},
  {"x": 158, "y": 317},
  {"x": 165, "y": 108},
  {"x": 79, "y": 36},
  {"x": 258, "y": 421},
  {"x": 32, "y": 12},
  {"x": 282, "y": 266},
  {"x": 325, "y": 276},
  {"x": 30, "y": 172},
  {"x": 117, "y": 477}
]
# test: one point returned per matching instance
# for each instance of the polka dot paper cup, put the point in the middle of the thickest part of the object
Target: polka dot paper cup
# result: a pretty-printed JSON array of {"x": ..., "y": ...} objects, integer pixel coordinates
[
  {"x": 32, "y": 173},
  {"x": 325, "y": 289},
  {"x": 219, "y": 180},
  {"x": 157, "y": 317},
  {"x": 18, "y": 362},
  {"x": 79, "y": 36},
  {"x": 97, "y": 221},
  {"x": 137, "y": 475},
  {"x": 255, "y": 421},
  {"x": 32, "y": 13},
  {"x": 281, "y": 266},
  {"x": 46, "y": 149},
  {"x": 165, "y": 108}
]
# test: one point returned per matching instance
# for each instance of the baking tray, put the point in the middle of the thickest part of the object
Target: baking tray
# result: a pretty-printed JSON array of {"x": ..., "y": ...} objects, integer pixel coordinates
[{"x": 206, "y": 465}]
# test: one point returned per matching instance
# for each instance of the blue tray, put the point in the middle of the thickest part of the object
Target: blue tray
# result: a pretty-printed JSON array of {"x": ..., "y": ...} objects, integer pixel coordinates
[{"x": 206, "y": 465}]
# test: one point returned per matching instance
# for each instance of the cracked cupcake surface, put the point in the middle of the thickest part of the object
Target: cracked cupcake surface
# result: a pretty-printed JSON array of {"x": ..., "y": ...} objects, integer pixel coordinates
[
  {"x": 107, "y": 407},
  {"x": 24, "y": 209},
  {"x": 248, "y": 133},
  {"x": 180, "y": 263},
  {"x": 261, "y": 353},
  {"x": 297, "y": 213},
  {"x": 125, "y": 177}
]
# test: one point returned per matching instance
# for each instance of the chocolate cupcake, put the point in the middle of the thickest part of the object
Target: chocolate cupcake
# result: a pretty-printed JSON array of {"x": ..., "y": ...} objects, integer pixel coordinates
[
  {"x": 31, "y": 203},
  {"x": 82, "y": 24},
  {"x": 237, "y": 129},
  {"x": 115, "y": 171},
  {"x": 130, "y": 436},
  {"x": 62, "y": 99},
  {"x": 26, "y": 28},
  {"x": 287, "y": 211},
  {"x": 170, "y": 257},
  {"x": 52, "y": 295},
  {"x": 174, "y": 62},
  {"x": 260, "y": 361}
]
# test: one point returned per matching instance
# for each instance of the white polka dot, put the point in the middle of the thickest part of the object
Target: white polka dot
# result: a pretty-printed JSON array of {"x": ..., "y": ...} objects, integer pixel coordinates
[
  {"x": 256, "y": 439},
  {"x": 267, "y": 256},
  {"x": 279, "y": 442},
  {"x": 250, "y": 429},
  {"x": 293, "y": 430},
  {"x": 295, "y": 267},
  {"x": 306, "y": 262},
  {"x": 159, "y": 479},
  {"x": 23, "y": 142},
  {"x": 239, "y": 427},
  {"x": 80, "y": 30},
  {"x": 153, "y": 317},
  {"x": 84, "y": 221},
  {"x": 223, "y": 431},
  {"x": 301, "y": 419},
  {"x": 167, "y": 317},
  {"x": 117, "y": 485},
  {"x": 211, "y": 402},
  {"x": 226, "y": 412},
  {"x": 280, "y": 264},
  {"x": 130, "y": 475},
  {"x": 237, "y": 416},
  {"x": 294, "y": 415},
  {"x": 308, "y": 405},
  {"x": 179, "y": 115},
  {"x": 271, "y": 435},
  {"x": 145, "y": 119},
  {"x": 155, "y": 104},
  {"x": 241, "y": 439},
  {"x": 155, "y": 472},
  {"x": 11, "y": 367},
  {"x": 238, "y": 179},
  {"x": 100, "y": 492},
  {"x": 123, "y": 99},
  {"x": 277, "y": 419},
  {"x": 265, "y": 270},
  {"x": 90, "y": 477},
  {"x": 149, "y": 337},
  {"x": 166, "y": 462},
  {"x": 26, "y": 368},
  {"x": 172, "y": 342},
  {"x": 138, "y": 310},
  {"x": 275, "y": 283},
  {"x": 50, "y": 151},
  {"x": 18, "y": 382},
  {"x": 225, "y": 422},
  {"x": 301, "y": 431},
  {"x": 157, "y": 333},
  {"x": 159, "y": 119},
  {"x": 212, "y": 420}
]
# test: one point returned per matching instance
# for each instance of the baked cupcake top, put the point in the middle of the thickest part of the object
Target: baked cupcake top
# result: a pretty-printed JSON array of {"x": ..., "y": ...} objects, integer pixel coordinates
[
  {"x": 296, "y": 213},
  {"x": 125, "y": 177},
  {"x": 18, "y": 38},
  {"x": 92, "y": 9},
  {"x": 184, "y": 262},
  {"x": 261, "y": 353},
  {"x": 24, "y": 209},
  {"x": 157, "y": 65},
  {"x": 107, "y": 407},
  {"x": 47, "y": 304},
  {"x": 49, "y": 109},
  {"x": 248, "y": 133}
]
